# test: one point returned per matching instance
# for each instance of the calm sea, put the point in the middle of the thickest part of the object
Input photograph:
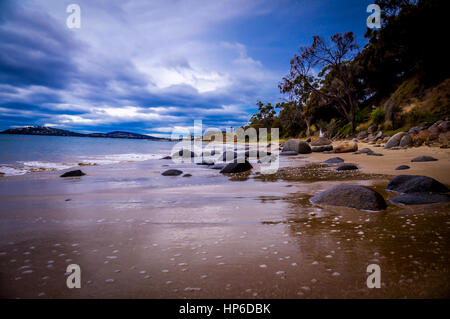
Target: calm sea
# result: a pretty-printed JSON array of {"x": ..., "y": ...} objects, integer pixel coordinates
[{"x": 20, "y": 154}]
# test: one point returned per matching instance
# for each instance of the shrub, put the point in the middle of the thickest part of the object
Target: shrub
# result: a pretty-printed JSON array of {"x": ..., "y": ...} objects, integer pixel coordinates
[{"x": 378, "y": 115}]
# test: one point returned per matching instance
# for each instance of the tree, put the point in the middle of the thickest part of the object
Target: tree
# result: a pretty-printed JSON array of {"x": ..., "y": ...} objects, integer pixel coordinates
[{"x": 336, "y": 82}]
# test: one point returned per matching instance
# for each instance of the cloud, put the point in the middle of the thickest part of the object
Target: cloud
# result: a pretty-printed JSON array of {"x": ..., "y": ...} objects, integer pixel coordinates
[{"x": 139, "y": 65}]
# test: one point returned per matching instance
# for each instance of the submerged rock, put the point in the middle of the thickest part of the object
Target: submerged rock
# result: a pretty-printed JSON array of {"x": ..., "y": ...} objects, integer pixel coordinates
[
  {"x": 353, "y": 196},
  {"x": 420, "y": 198},
  {"x": 187, "y": 175},
  {"x": 402, "y": 167},
  {"x": 172, "y": 172},
  {"x": 347, "y": 167},
  {"x": 236, "y": 168},
  {"x": 424, "y": 159},
  {"x": 334, "y": 160},
  {"x": 74, "y": 173},
  {"x": 298, "y": 146},
  {"x": 416, "y": 184}
]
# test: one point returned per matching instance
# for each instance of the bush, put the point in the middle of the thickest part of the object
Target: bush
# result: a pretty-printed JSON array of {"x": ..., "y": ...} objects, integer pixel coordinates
[{"x": 378, "y": 115}]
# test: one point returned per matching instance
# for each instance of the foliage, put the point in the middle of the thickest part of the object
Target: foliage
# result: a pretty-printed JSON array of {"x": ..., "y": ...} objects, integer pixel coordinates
[{"x": 377, "y": 116}]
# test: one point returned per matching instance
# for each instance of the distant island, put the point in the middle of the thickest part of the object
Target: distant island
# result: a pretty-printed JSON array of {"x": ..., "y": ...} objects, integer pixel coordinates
[{"x": 50, "y": 131}]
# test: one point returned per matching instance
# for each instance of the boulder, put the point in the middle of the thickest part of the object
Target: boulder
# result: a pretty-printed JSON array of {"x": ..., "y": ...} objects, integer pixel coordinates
[
  {"x": 167, "y": 158},
  {"x": 424, "y": 159},
  {"x": 347, "y": 167},
  {"x": 374, "y": 154},
  {"x": 420, "y": 198},
  {"x": 444, "y": 126},
  {"x": 421, "y": 137},
  {"x": 172, "y": 172},
  {"x": 298, "y": 146},
  {"x": 395, "y": 140},
  {"x": 75, "y": 173},
  {"x": 402, "y": 167},
  {"x": 322, "y": 148},
  {"x": 187, "y": 175},
  {"x": 308, "y": 140},
  {"x": 362, "y": 135},
  {"x": 353, "y": 196},
  {"x": 415, "y": 184},
  {"x": 334, "y": 160},
  {"x": 372, "y": 129},
  {"x": 346, "y": 147},
  {"x": 288, "y": 153},
  {"x": 321, "y": 141},
  {"x": 405, "y": 141},
  {"x": 236, "y": 168}
]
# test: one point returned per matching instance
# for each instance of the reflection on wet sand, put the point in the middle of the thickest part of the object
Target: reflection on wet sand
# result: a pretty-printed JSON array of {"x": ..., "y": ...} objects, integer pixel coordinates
[{"x": 211, "y": 236}]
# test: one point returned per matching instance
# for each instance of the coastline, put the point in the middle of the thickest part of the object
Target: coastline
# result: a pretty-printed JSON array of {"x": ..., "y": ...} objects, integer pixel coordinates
[{"x": 137, "y": 234}]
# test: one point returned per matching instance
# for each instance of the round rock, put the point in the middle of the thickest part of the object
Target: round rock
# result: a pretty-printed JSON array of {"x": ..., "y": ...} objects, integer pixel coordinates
[{"x": 353, "y": 196}]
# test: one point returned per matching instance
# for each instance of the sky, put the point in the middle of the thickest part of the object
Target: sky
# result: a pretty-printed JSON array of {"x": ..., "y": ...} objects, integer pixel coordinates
[{"x": 153, "y": 66}]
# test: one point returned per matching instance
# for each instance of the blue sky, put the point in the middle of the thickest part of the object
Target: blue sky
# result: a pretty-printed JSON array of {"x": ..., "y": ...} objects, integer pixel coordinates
[{"x": 152, "y": 66}]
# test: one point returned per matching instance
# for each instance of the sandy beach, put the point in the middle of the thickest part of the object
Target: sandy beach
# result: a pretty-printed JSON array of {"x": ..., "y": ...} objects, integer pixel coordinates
[{"x": 137, "y": 234}]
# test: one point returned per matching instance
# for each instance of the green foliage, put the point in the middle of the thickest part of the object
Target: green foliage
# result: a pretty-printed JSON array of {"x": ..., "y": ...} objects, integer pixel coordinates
[{"x": 377, "y": 116}]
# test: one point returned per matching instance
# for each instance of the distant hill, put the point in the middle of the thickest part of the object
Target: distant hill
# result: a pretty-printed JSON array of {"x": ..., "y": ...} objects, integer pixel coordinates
[{"x": 50, "y": 131}]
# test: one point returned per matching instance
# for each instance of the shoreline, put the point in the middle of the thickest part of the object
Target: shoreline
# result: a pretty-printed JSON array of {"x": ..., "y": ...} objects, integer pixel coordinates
[{"x": 137, "y": 234}]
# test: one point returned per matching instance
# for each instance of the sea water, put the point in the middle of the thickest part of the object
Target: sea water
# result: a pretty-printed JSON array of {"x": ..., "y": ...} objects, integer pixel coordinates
[{"x": 20, "y": 154}]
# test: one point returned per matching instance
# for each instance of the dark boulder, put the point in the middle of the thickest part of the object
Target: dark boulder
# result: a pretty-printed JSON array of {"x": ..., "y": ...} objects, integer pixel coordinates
[
  {"x": 424, "y": 159},
  {"x": 353, "y": 196},
  {"x": 334, "y": 160},
  {"x": 323, "y": 148},
  {"x": 75, "y": 173},
  {"x": 298, "y": 146},
  {"x": 172, "y": 172},
  {"x": 415, "y": 184},
  {"x": 374, "y": 154},
  {"x": 402, "y": 167},
  {"x": 187, "y": 175},
  {"x": 346, "y": 167},
  {"x": 420, "y": 198},
  {"x": 167, "y": 158},
  {"x": 236, "y": 168}
]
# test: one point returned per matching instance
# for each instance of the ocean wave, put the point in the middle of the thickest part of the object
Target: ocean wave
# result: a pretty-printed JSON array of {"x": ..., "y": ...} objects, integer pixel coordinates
[
  {"x": 117, "y": 158},
  {"x": 39, "y": 166},
  {"x": 11, "y": 171}
]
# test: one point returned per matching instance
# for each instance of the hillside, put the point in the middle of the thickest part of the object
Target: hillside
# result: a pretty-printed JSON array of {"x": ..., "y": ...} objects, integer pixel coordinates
[{"x": 50, "y": 131}]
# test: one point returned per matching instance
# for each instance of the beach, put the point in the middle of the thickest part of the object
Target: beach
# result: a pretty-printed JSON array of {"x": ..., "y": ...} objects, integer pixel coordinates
[{"x": 138, "y": 234}]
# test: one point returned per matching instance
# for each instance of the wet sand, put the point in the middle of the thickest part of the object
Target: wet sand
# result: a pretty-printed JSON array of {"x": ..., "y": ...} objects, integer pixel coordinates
[{"x": 136, "y": 234}]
